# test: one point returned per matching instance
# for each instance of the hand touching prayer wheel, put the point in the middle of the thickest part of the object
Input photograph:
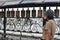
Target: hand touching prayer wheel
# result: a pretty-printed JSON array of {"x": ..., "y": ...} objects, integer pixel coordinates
[
  {"x": 23, "y": 13},
  {"x": 33, "y": 13}
]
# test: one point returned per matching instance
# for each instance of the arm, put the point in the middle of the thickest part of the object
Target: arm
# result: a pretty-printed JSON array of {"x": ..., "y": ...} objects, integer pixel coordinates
[{"x": 47, "y": 31}]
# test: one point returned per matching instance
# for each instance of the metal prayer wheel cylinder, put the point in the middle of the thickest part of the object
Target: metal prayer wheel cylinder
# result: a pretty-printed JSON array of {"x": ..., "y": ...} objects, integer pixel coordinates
[
  {"x": 56, "y": 13},
  {"x": 40, "y": 13},
  {"x": 12, "y": 13},
  {"x": 33, "y": 13},
  {"x": 17, "y": 13},
  {"x": 2, "y": 13},
  {"x": 8, "y": 13},
  {"x": 23, "y": 13},
  {"x": 59, "y": 13},
  {"x": 28, "y": 13}
]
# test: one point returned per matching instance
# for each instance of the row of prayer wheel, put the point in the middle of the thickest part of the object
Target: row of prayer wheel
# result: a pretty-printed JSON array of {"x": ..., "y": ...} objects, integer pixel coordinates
[{"x": 13, "y": 13}]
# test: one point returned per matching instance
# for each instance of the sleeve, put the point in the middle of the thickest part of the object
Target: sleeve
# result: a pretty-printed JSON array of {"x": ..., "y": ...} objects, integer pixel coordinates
[{"x": 47, "y": 31}]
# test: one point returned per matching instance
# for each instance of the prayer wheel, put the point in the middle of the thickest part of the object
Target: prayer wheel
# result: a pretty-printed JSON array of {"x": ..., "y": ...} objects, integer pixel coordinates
[
  {"x": 40, "y": 13},
  {"x": 33, "y": 13},
  {"x": 28, "y": 13},
  {"x": 59, "y": 13},
  {"x": 23, "y": 13},
  {"x": 56, "y": 12},
  {"x": 8, "y": 13},
  {"x": 2, "y": 13},
  {"x": 12, "y": 13},
  {"x": 17, "y": 13}
]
